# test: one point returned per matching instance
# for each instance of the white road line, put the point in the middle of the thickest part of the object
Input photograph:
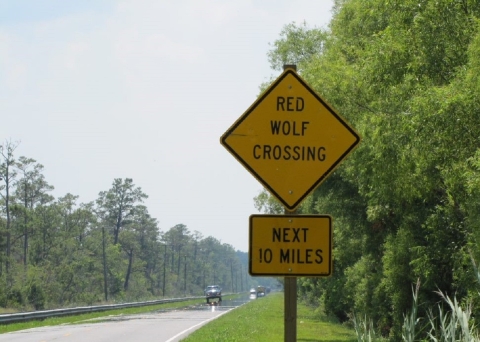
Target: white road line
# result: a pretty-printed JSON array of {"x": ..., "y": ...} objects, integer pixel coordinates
[{"x": 194, "y": 326}]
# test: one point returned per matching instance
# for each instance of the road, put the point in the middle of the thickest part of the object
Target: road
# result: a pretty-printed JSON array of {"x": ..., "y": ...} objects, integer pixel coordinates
[{"x": 158, "y": 326}]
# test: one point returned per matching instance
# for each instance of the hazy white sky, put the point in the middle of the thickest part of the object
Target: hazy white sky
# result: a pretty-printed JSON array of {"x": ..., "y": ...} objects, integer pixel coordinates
[{"x": 99, "y": 89}]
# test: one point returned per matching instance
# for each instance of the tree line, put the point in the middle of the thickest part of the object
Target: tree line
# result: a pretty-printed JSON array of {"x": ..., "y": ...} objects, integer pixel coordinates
[
  {"x": 406, "y": 203},
  {"x": 56, "y": 252}
]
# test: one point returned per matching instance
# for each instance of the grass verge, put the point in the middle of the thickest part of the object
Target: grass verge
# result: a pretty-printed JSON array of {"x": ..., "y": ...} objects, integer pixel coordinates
[
  {"x": 4, "y": 328},
  {"x": 262, "y": 320}
]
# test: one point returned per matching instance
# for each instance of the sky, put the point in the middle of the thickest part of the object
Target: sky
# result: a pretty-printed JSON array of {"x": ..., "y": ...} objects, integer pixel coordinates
[{"x": 99, "y": 89}]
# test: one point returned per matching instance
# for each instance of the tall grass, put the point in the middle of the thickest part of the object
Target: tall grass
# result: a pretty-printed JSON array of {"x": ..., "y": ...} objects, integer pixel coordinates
[
  {"x": 456, "y": 324},
  {"x": 411, "y": 322},
  {"x": 364, "y": 329},
  {"x": 453, "y": 324}
]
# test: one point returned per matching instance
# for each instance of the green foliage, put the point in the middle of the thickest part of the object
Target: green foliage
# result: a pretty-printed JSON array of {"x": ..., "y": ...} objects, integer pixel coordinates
[
  {"x": 454, "y": 325},
  {"x": 63, "y": 253},
  {"x": 15, "y": 298},
  {"x": 297, "y": 45},
  {"x": 36, "y": 297},
  {"x": 364, "y": 329},
  {"x": 405, "y": 204},
  {"x": 410, "y": 328},
  {"x": 265, "y": 203}
]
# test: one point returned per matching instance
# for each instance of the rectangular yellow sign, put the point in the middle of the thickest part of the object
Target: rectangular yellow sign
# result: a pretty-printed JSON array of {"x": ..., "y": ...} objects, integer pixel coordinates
[{"x": 290, "y": 245}]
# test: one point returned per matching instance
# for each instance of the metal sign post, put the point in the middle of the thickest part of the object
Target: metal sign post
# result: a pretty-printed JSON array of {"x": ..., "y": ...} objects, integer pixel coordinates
[
  {"x": 290, "y": 309},
  {"x": 290, "y": 304}
]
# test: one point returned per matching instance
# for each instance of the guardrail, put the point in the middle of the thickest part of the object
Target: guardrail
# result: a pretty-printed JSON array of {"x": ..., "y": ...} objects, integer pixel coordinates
[{"x": 33, "y": 315}]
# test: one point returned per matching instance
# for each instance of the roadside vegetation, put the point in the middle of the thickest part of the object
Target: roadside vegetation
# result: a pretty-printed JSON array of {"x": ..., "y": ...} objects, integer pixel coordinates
[
  {"x": 448, "y": 321},
  {"x": 262, "y": 320},
  {"x": 59, "y": 252},
  {"x": 406, "y": 203}
]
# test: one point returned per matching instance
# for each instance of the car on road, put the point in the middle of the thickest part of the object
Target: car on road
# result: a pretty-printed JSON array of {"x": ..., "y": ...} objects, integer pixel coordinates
[
  {"x": 213, "y": 292},
  {"x": 260, "y": 291}
]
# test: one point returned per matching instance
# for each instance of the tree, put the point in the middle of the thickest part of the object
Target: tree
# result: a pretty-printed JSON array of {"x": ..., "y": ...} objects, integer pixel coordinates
[
  {"x": 30, "y": 190},
  {"x": 7, "y": 174},
  {"x": 179, "y": 237},
  {"x": 140, "y": 238},
  {"x": 119, "y": 203},
  {"x": 297, "y": 45}
]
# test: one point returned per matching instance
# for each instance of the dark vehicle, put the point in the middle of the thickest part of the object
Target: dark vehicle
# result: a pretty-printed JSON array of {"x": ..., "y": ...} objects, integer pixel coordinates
[
  {"x": 212, "y": 292},
  {"x": 260, "y": 291}
]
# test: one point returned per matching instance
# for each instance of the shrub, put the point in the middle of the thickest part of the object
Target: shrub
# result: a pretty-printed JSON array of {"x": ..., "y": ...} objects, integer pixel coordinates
[{"x": 36, "y": 297}]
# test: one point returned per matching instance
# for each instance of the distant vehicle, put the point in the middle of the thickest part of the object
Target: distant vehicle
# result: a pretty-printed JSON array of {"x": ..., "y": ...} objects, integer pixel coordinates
[
  {"x": 213, "y": 292},
  {"x": 260, "y": 291},
  {"x": 253, "y": 293}
]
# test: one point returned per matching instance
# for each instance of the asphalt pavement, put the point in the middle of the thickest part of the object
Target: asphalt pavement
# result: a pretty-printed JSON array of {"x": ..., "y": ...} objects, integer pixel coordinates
[{"x": 158, "y": 326}]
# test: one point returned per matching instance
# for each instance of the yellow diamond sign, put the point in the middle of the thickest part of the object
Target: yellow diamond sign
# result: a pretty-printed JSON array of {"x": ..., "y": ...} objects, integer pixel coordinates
[{"x": 290, "y": 139}]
